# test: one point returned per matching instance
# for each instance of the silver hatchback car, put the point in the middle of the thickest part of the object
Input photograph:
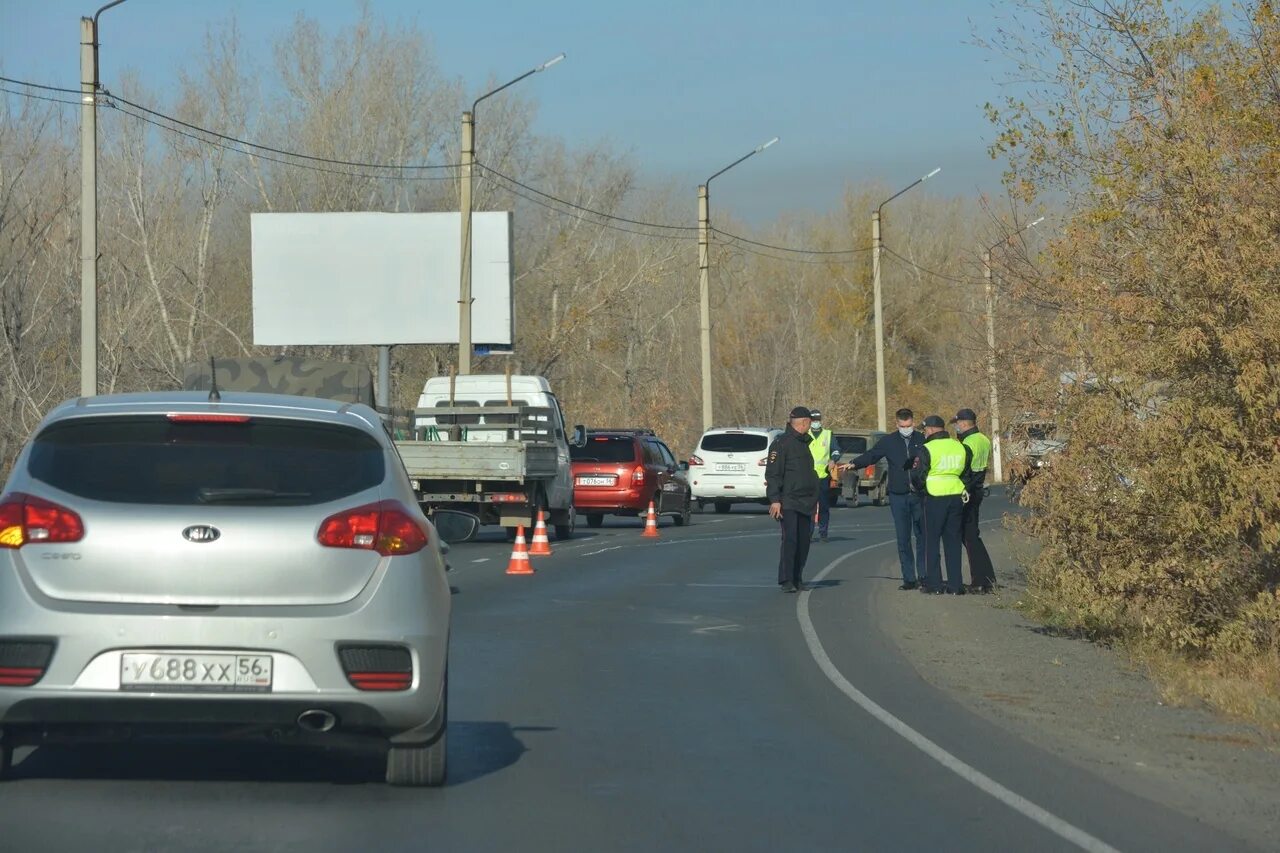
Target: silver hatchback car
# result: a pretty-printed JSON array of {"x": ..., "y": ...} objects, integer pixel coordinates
[{"x": 172, "y": 564}]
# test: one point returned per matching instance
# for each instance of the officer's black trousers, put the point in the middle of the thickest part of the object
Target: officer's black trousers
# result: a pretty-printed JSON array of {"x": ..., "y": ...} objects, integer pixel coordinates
[
  {"x": 942, "y": 524},
  {"x": 797, "y": 529},
  {"x": 981, "y": 572}
]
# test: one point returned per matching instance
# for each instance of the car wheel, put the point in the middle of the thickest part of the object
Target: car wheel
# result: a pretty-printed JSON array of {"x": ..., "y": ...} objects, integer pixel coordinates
[
  {"x": 723, "y": 506},
  {"x": 565, "y": 531},
  {"x": 595, "y": 519},
  {"x": 686, "y": 515},
  {"x": 422, "y": 765}
]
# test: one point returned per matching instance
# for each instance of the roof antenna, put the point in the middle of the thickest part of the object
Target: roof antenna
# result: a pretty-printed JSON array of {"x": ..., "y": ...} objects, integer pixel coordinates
[{"x": 214, "y": 396}]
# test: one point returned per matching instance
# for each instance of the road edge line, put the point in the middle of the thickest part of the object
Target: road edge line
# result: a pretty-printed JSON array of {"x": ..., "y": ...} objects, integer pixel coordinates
[{"x": 970, "y": 774}]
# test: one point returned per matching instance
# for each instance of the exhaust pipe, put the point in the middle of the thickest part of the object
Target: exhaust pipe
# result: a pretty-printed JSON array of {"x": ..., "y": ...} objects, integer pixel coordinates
[{"x": 316, "y": 720}]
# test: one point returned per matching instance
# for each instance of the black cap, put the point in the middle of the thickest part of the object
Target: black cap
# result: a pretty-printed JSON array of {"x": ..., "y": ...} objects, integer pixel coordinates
[
  {"x": 815, "y": 414},
  {"x": 801, "y": 412},
  {"x": 935, "y": 421},
  {"x": 965, "y": 415}
]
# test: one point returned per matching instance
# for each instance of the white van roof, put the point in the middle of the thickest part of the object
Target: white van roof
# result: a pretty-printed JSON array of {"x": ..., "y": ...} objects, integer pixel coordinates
[{"x": 485, "y": 384}]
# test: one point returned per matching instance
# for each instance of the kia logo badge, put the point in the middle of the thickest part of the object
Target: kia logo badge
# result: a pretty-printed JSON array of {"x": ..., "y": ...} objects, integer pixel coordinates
[{"x": 201, "y": 533}]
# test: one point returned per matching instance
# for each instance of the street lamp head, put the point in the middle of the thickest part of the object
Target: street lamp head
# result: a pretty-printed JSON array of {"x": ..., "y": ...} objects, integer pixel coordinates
[
  {"x": 931, "y": 174},
  {"x": 766, "y": 145},
  {"x": 550, "y": 62}
]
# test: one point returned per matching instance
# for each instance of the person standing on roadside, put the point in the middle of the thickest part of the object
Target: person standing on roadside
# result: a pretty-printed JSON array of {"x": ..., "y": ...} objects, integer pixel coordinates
[
  {"x": 791, "y": 483},
  {"x": 820, "y": 448},
  {"x": 940, "y": 468},
  {"x": 899, "y": 449},
  {"x": 982, "y": 574}
]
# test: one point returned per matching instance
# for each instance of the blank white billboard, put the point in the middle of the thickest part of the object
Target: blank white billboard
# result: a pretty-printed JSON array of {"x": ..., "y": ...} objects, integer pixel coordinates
[{"x": 378, "y": 278}]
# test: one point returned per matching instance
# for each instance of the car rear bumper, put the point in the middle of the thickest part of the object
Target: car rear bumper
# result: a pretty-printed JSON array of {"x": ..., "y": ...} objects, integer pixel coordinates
[
  {"x": 728, "y": 489},
  {"x": 81, "y": 687},
  {"x": 611, "y": 500}
]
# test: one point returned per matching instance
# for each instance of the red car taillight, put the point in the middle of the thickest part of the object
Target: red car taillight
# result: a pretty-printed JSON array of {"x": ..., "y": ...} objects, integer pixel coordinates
[
  {"x": 637, "y": 476},
  {"x": 695, "y": 460},
  {"x": 762, "y": 461},
  {"x": 23, "y": 662},
  {"x": 385, "y": 527},
  {"x": 27, "y": 520},
  {"x": 869, "y": 471}
]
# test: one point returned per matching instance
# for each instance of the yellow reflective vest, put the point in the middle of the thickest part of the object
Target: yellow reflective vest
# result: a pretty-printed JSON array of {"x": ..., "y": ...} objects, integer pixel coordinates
[
  {"x": 980, "y": 445},
  {"x": 946, "y": 464},
  {"x": 820, "y": 447}
]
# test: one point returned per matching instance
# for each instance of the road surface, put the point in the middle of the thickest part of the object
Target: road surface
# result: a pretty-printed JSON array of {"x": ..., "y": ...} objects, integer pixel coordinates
[{"x": 633, "y": 695}]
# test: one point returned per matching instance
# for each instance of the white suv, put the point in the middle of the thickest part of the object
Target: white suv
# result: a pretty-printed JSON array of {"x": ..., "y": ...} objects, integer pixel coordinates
[{"x": 728, "y": 466}]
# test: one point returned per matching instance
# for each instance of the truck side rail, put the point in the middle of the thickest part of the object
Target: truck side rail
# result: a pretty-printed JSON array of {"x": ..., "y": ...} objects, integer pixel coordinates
[{"x": 530, "y": 424}]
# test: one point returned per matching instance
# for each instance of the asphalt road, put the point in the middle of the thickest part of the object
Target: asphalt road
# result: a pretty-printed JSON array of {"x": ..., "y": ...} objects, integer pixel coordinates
[{"x": 632, "y": 695}]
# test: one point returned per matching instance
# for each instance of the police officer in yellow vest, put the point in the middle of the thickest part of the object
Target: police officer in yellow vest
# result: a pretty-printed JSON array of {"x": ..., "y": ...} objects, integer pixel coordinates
[
  {"x": 982, "y": 575},
  {"x": 939, "y": 470},
  {"x": 820, "y": 447}
]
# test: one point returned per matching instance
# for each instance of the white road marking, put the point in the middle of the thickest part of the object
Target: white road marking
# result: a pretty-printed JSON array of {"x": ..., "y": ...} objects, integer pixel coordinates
[
  {"x": 481, "y": 560},
  {"x": 970, "y": 774}
]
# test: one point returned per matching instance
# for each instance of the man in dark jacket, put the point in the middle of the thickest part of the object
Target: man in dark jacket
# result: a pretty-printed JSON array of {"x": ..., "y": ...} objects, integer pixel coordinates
[
  {"x": 982, "y": 573},
  {"x": 939, "y": 470},
  {"x": 898, "y": 449},
  {"x": 791, "y": 484}
]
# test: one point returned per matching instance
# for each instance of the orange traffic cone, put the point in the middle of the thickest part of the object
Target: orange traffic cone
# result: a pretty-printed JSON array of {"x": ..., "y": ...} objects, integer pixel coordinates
[
  {"x": 651, "y": 524},
  {"x": 519, "y": 564},
  {"x": 541, "y": 545}
]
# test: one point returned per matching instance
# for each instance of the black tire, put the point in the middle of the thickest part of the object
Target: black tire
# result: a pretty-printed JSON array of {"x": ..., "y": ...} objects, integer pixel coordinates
[
  {"x": 565, "y": 531},
  {"x": 595, "y": 519},
  {"x": 6, "y": 760},
  {"x": 685, "y": 517},
  {"x": 723, "y": 506},
  {"x": 422, "y": 765}
]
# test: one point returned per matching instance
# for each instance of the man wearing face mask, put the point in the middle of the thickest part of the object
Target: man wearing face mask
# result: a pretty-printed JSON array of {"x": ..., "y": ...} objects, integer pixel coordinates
[
  {"x": 899, "y": 448},
  {"x": 820, "y": 448}
]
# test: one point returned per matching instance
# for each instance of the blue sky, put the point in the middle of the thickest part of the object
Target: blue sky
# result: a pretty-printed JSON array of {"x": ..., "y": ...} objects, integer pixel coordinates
[{"x": 858, "y": 91}]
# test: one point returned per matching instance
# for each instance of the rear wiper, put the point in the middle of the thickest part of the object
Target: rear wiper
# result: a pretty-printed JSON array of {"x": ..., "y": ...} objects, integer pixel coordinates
[{"x": 210, "y": 494}]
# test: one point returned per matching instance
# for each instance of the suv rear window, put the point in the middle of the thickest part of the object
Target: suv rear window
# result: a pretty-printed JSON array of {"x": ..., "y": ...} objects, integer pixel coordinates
[
  {"x": 152, "y": 460},
  {"x": 851, "y": 444},
  {"x": 605, "y": 448},
  {"x": 735, "y": 442}
]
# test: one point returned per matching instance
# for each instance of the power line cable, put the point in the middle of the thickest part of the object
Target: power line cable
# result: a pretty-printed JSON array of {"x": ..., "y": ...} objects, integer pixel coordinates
[
  {"x": 31, "y": 85},
  {"x": 576, "y": 206},
  {"x": 290, "y": 163},
  {"x": 582, "y": 217},
  {"x": 792, "y": 249},
  {"x": 35, "y": 97},
  {"x": 926, "y": 270},
  {"x": 409, "y": 167},
  {"x": 786, "y": 259}
]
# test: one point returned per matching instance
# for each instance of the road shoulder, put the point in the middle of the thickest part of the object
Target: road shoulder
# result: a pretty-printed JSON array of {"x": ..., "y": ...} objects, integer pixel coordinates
[{"x": 1085, "y": 703}]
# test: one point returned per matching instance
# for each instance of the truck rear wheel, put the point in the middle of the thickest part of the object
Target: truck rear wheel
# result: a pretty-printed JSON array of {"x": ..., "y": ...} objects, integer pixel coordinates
[{"x": 565, "y": 531}]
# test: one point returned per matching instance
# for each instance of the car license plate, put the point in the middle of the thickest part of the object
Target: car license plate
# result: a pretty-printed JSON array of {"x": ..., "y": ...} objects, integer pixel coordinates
[
  {"x": 731, "y": 467},
  {"x": 163, "y": 671},
  {"x": 597, "y": 481}
]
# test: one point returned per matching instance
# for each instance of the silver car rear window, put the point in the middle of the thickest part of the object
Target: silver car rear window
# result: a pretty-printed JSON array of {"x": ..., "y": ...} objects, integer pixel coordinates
[
  {"x": 153, "y": 460},
  {"x": 735, "y": 442}
]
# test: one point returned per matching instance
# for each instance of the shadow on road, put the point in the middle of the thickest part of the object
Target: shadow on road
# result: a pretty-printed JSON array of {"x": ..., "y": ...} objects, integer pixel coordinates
[{"x": 476, "y": 749}]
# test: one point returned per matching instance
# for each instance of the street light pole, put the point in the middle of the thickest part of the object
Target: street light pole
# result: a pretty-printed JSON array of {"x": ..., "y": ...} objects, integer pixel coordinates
[
  {"x": 704, "y": 288},
  {"x": 89, "y": 202},
  {"x": 997, "y": 458},
  {"x": 466, "y": 175},
  {"x": 877, "y": 244}
]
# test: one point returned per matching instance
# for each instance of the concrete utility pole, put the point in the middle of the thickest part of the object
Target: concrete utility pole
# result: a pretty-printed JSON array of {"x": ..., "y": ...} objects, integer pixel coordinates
[
  {"x": 467, "y": 169},
  {"x": 704, "y": 263},
  {"x": 704, "y": 302},
  {"x": 876, "y": 245},
  {"x": 88, "y": 207},
  {"x": 464, "y": 284},
  {"x": 89, "y": 202},
  {"x": 997, "y": 458}
]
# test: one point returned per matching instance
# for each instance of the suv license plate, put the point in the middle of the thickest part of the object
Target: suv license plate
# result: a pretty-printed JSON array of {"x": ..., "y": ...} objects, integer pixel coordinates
[
  {"x": 228, "y": 673},
  {"x": 731, "y": 466}
]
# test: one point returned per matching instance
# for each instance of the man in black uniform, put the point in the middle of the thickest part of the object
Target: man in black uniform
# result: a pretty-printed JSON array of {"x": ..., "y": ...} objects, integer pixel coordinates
[
  {"x": 939, "y": 471},
  {"x": 791, "y": 483}
]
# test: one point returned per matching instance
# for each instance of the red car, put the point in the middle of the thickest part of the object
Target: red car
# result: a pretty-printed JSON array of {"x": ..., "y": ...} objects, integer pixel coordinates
[{"x": 618, "y": 472}]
